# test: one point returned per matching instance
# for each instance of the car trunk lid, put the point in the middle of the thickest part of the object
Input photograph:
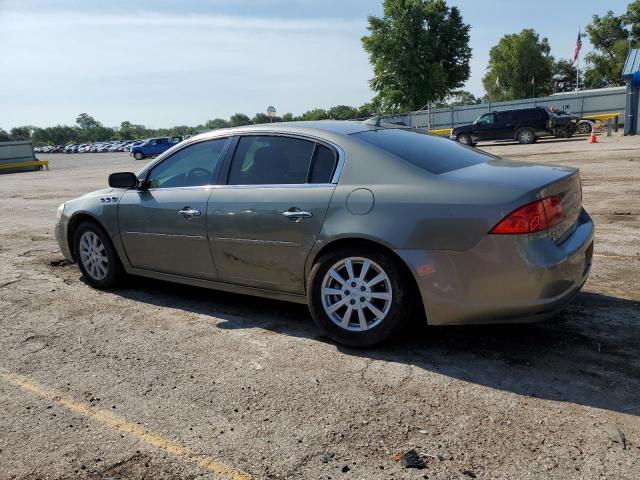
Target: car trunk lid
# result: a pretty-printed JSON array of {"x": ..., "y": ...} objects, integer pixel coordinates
[{"x": 523, "y": 182}]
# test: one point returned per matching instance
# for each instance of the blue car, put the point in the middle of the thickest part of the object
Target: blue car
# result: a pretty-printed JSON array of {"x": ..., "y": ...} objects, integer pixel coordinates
[{"x": 153, "y": 146}]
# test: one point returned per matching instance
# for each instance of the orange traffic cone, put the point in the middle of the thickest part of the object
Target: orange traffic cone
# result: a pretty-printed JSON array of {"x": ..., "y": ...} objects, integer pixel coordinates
[{"x": 592, "y": 138}]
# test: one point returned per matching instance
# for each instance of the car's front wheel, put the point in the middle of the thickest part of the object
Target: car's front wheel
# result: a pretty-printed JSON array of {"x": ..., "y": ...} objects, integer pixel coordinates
[
  {"x": 464, "y": 139},
  {"x": 96, "y": 256},
  {"x": 584, "y": 128},
  {"x": 359, "y": 296},
  {"x": 138, "y": 155},
  {"x": 526, "y": 136}
]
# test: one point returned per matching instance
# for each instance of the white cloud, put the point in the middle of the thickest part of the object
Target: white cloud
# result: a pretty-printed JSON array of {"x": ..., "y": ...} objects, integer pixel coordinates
[{"x": 174, "y": 69}]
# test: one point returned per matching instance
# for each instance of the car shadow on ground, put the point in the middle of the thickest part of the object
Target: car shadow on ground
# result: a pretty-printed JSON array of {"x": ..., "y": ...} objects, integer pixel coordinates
[{"x": 588, "y": 355}]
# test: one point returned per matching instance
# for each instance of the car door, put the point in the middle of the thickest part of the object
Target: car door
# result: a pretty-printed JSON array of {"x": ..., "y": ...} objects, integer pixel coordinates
[
  {"x": 485, "y": 127},
  {"x": 503, "y": 128},
  {"x": 264, "y": 221},
  {"x": 163, "y": 224}
]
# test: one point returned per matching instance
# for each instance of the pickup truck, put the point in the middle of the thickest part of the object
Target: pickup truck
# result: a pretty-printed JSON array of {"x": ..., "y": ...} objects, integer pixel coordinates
[
  {"x": 153, "y": 146},
  {"x": 525, "y": 125}
]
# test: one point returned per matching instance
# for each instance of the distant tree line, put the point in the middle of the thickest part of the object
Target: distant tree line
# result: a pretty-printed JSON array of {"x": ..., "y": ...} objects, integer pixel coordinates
[
  {"x": 420, "y": 54},
  {"x": 87, "y": 129}
]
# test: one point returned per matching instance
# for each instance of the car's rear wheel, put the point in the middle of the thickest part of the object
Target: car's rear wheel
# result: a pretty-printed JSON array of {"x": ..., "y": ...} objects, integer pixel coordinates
[
  {"x": 138, "y": 155},
  {"x": 464, "y": 139},
  {"x": 584, "y": 128},
  {"x": 96, "y": 256},
  {"x": 359, "y": 296},
  {"x": 526, "y": 136}
]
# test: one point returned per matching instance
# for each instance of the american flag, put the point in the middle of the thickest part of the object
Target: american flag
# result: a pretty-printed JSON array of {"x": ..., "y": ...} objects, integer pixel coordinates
[{"x": 576, "y": 52}]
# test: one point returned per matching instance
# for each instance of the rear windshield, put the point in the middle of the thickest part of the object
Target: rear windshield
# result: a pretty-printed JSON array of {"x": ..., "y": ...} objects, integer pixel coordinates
[{"x": 429, "y": 152}]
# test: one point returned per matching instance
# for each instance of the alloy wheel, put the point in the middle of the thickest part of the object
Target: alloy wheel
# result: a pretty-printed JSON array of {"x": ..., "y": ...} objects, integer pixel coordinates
[
  {"x": 356, "y": 294},
  {"x": 93, "y": 255}
]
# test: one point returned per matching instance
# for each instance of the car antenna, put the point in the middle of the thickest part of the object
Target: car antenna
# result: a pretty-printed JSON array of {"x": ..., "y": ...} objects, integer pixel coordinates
[{"x": 373, "y": 121}]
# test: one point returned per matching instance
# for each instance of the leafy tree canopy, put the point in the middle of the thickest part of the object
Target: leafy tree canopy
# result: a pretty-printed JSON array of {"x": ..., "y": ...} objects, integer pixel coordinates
[
  {"x": 239, "y": 119},
  {"x": 419, "y": 50},
  {"x": 518, "y": 64},
  {"x": 611, "y": 37}
]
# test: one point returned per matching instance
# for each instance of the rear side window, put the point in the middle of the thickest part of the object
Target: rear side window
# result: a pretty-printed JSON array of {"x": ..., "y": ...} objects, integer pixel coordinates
[
  {"x": 271, "y": 160},
  {"x": 503, "y": 117},
  {"x": 429, "y": 152},
  {"x": 324, "y": 165}
]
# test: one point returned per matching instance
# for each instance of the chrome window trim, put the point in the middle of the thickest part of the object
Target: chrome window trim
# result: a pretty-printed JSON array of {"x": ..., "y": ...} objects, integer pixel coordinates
[
  {"x": 278, "y": 185},
  {"x": 310, "y": 138},
  {"x": 227, "y": 134}
]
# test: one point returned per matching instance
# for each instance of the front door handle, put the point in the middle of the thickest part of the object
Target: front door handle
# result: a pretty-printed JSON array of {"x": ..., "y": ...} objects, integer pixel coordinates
[
  {"x": 188, "y": 212},
  {"x": 297, "y": 215}
]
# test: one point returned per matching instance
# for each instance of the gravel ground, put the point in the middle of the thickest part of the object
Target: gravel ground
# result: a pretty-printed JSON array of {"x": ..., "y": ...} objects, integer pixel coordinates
[{"x": 159, "y": 381}]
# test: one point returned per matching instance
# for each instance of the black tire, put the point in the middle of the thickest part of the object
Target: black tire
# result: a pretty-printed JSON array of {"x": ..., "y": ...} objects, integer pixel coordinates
[
  {"x": 464, "y": 139},
  {"x": 400, "y": 306},
  {"x": 114, "y": 270},
  {"x": 569, "y": 131},
  {"x": 526, "y": 136},
  {"x": 585, "y": 128},
  {"x": 138, "y": 156}
]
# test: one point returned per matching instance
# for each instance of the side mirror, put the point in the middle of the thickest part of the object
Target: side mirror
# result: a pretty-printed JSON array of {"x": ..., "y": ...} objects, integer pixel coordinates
[{"x": 123, "y": 180}]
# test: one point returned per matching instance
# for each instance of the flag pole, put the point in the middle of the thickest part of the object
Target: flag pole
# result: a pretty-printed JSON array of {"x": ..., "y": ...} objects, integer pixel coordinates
[{"x": 578, "y": 66}]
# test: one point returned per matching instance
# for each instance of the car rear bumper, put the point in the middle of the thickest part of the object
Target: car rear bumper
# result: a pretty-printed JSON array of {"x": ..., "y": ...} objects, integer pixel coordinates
[{"x": 504, "y": 278}]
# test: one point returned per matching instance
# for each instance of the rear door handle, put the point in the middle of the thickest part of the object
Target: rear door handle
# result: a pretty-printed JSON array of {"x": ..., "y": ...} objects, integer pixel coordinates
[
  {"x": 297, "y": 214},
  {"x": 188, "y": 212}
]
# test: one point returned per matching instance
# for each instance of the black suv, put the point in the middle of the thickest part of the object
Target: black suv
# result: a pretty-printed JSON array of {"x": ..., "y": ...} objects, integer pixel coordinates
[{"x": 525, "y": 125}]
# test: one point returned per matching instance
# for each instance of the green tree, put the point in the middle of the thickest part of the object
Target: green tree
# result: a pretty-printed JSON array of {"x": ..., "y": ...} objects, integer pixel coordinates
[
  {"x": 91, "y": 130},
  {"x": 419, "y": 50},
  {"x": 4, "y": 136},
  {"x": 367, "y": 110},
  {"x": 459, "y": 98},
  {"x": 260, "y": 118},
  {"x": 632, "y": 22},
  {"x": 611, "y": 36},
  {"x": 216, "y": 123},
  {"x": 21, "y": 133},
  {"x": 87, "y": 122},
  {"x": 287, "y": 117},
  {"x": 315, "y": 114},
  {"x": 239, "y": 119},
  {"x": 343, "y": 112},
  {"x": 564, "y": 76},
  {"x": 519, "y": 64}
]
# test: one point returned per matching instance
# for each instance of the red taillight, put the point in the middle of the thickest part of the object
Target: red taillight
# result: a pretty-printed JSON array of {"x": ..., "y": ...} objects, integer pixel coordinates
[{"x": 532, "y": 217}]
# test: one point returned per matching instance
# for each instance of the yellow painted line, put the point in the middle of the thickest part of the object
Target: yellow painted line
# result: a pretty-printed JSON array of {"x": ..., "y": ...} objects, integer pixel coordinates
[
  {"x": 118, "y": 423},
  {"x": 38, "y": 163}
]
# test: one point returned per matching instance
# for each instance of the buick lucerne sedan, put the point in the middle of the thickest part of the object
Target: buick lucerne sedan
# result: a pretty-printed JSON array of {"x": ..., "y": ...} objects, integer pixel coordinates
[{"x": 360, "y": 221}]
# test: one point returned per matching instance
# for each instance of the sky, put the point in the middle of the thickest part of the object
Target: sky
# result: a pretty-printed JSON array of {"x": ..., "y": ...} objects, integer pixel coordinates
[{"x": 162, "y": 63}]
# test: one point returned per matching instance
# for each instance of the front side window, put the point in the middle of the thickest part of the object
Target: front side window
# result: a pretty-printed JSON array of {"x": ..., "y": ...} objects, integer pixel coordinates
[
  {"x": 271, "y": 160},
  {"x": 487, "y": 119},
  {"x": 503, "y": 117},
  {"x": 190, "y": 167}
]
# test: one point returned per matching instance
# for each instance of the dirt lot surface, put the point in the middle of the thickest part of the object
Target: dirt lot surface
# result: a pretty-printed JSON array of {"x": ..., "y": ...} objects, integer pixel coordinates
[{"x": 159, "y": 381}]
